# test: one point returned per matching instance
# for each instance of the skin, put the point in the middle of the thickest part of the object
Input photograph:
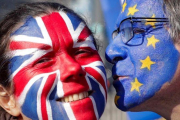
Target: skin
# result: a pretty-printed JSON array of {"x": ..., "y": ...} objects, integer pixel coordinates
[
  {"x": 54, "y": 56},
  {"x": 140, "y": 71}
]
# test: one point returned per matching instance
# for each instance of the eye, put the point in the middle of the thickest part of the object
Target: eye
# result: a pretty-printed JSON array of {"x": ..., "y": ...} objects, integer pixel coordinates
[
  {"x": 138, "y": 30},
  {"x": 82, "y": 51},
  {"x": 43, "y": 60}
]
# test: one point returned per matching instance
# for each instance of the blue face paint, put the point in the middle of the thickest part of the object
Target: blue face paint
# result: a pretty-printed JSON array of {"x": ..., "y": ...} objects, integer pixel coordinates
[{"x": 147, "y": 61}]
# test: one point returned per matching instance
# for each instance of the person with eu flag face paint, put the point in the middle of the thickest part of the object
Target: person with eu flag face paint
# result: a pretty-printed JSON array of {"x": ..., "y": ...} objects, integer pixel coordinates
[
  {"x": 145, "y": 52},
  {"x": 49, "y": 66}
]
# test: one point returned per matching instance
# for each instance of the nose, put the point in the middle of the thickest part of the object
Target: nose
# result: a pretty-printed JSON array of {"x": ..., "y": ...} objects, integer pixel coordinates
[
  {"x": 115, "y": 52},
  {"x": 70, "y": 69}
]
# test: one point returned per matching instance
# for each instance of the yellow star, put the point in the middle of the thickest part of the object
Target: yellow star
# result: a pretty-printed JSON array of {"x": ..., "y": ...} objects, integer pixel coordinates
[
  {"x": 124, "y": 6},
  {"x": 146, "y": 63},
  {"x": 116, "y": 99},
  {"x": 151, "y": 23},
  {"x": 135, "y": 85},
  {"x": 152, "y": 41},
  {"x": 132, "y": 10}
]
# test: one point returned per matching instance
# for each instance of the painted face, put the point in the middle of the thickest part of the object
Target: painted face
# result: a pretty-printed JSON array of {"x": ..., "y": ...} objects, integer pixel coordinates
[
  {"x": 143, "y": 59},
  {"x": 56, "y": 69}
]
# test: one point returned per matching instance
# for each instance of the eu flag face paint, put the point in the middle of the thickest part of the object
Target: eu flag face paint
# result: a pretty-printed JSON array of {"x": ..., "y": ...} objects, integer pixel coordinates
[
  {"x": 56, "y": 69},
  {"x": 143, "y": 54}
]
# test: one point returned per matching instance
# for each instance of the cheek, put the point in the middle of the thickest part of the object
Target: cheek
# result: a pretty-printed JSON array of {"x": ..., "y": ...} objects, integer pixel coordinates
[{"x": 155, "y": 64}]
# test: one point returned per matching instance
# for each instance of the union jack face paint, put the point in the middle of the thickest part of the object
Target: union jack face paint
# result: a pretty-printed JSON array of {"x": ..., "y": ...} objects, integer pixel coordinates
[{"x": 56, "y": 69}]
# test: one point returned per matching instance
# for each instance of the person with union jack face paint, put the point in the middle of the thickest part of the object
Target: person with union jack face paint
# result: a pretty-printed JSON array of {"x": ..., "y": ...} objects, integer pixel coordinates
[
  {"x": 50, "y": 67},
  {"x": 145, "y": 52}
]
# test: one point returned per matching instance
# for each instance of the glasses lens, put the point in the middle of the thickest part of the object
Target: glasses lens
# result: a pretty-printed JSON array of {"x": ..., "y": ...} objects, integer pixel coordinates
[{"x": 126, "y": 30}]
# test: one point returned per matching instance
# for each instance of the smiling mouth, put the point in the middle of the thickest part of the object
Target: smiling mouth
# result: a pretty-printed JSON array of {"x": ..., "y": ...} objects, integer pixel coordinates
[{"x": 75, "y": 97}]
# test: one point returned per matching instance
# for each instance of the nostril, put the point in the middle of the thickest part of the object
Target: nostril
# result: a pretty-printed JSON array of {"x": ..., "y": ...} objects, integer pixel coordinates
[
  {"x": 81, "y": 75},
  {"x": 115, "y": 60}
]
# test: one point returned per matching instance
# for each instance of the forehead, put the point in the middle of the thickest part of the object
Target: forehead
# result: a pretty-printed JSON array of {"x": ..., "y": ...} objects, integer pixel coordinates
[
  {"x": 141, "y": 8},
  {"x": 58, "y": 27},
  {"x": 32, "y": 24}
]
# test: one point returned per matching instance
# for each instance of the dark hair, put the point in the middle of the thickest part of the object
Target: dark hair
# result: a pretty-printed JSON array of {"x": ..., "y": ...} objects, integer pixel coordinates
[{"x": 12, "y": 21}]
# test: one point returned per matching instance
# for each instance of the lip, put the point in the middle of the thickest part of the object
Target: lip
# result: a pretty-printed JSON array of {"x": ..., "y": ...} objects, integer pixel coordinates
[{"x": 117, "y": 78}]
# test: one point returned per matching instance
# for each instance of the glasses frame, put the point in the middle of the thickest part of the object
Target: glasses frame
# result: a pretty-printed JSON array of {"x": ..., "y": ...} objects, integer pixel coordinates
[{"x": 135, "y": 19}]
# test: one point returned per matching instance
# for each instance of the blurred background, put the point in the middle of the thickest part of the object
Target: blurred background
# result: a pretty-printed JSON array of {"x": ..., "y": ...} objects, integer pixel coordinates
[{"x": 101, "y": 17}]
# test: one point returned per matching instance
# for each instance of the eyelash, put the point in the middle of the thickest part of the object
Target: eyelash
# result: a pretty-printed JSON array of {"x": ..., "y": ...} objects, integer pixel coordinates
[
  {"x": 43, "y": 60},
  {"x": 82, "y": 51},
  {"x": 139, "y": 30}
]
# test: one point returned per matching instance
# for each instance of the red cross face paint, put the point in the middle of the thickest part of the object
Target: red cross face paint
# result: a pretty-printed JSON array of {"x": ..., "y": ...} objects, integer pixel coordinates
[{"x": 56, "y": 69}]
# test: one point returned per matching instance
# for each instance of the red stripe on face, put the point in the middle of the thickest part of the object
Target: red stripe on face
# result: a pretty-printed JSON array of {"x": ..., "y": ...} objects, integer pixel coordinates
[
  {"x": 58, "y": 31},
  {"x": 97, "y": 76},
  {"x": 84, "y": 34},
  {"x": 83, "y": 109},
  {"x": 17, "y": 45},
  {"x": 22, "y": 78},
  {"x": 47, "y": 88}
]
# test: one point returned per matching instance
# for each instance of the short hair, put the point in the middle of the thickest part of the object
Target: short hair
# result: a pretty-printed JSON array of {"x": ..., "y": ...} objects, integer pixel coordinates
[
  {"x": 172, "y": 10},
  {"x": 12, "y": 21}
]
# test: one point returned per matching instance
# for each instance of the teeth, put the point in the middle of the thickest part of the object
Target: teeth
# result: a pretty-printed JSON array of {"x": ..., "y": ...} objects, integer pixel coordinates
[
  {"x": 70, "y": 98},
  {"x": 66, "y": 99},
  {"x": 81, "y": 96},
  {"x": 75, "y": 97}
]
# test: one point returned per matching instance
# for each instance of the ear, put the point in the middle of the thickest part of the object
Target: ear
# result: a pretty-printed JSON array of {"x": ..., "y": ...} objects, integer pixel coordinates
[
  {"x": 177, "y": 45},
  {"x": 8, "y": 102}
]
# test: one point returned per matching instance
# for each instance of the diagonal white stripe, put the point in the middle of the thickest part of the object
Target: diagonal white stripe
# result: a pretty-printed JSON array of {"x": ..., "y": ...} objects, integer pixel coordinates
[
  {"x": 102, "y": 74},
  {"x": 23, "y": 94},
  {"x": 96, "y": 63},
  {"x": 100, "y": 86},
  {"x": 74, "y": 33},
  {"x": 49, "y": 109},
  {"x": 35, "y": 56},
  {"x": 95, "y": 108},
  {"x": 77, "y": 32},
  {"x": 68, "y": 22},
  {"x": 39, "y": 112},
  {"x": 87, "y": 43},
  {"x": 92, "y": 99},
  {"x": 28, "y": 51},
  {"x": 44, "y": 31},
  {"x": 69, "y": 111}
]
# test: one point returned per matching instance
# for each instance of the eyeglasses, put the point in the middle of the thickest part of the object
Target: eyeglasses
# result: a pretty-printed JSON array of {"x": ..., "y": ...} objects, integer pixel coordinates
[{"x": 127, "y": 29}]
